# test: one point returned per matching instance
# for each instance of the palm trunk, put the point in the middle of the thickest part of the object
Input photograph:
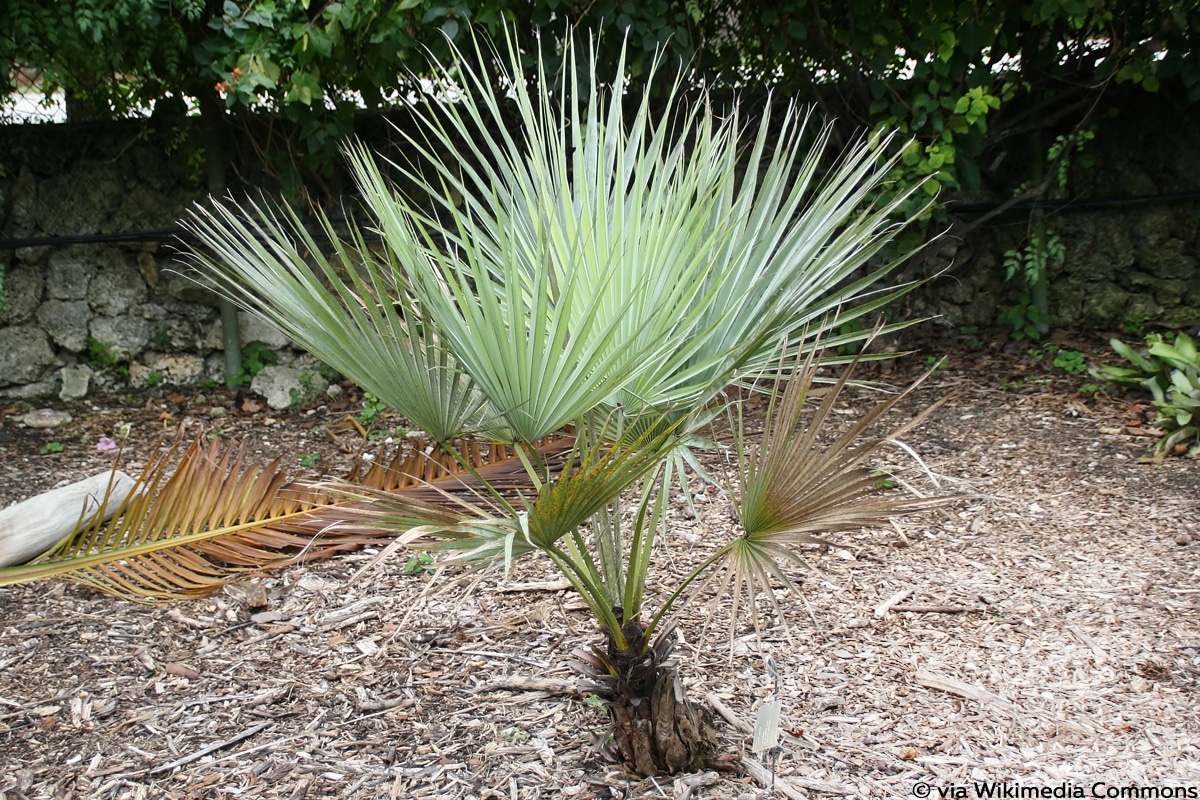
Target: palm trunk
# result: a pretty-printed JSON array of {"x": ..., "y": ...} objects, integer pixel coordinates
[{"x": 656, "y": 728}]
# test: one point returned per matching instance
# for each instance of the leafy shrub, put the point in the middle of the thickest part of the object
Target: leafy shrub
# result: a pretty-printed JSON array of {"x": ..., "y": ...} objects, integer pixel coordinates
[
  {"x": 255, "y": 356},
  {"x": 1170, "y": 370},
  {"x": 1070, "y": 362},
  {"x": 103, "y": 356}
]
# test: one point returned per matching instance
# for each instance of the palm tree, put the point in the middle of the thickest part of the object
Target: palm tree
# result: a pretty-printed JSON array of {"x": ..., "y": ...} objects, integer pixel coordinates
[{"x": 586, "y": 263}]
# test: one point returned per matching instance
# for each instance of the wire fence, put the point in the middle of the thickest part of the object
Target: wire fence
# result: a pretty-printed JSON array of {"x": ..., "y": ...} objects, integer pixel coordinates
[{"x": 31, "y": 107}]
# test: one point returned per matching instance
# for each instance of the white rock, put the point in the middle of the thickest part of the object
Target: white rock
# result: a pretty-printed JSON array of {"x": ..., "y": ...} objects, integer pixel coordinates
[
  {"x": 33, "y": 526},
  {"x": 75, "y": 381},
  {"x": 46, "y": 418},
  {"x": 288, "y": 387}
]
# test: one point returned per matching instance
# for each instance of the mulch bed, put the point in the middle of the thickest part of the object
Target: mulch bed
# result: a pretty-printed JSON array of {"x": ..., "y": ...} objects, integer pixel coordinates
[{"x": 1044, "y": 631}]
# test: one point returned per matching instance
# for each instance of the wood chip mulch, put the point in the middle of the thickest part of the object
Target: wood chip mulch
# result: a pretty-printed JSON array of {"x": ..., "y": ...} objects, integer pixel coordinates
[{"x": 1044, "y": 631}]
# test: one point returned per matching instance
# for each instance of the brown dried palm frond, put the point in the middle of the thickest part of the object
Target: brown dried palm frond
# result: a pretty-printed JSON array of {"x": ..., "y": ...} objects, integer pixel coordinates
[
  {"x": 183, "y": 533},
  {"x": 795, "y": 491},
  {"x": 461, "y": 467}
]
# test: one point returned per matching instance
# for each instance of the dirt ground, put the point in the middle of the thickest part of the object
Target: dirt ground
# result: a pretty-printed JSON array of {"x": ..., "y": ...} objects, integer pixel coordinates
[{"x": 1045, "y": 632}]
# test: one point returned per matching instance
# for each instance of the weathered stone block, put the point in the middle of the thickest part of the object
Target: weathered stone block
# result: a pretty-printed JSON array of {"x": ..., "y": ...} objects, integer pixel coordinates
[
  {"x": 22, "y": 294},
  {"x": 169, "y": 369},
  {"x": 176, "y": 335},
  {"x": 128, "y": 334},
  {"x": 33, "y": 255},
  {"x": 25, "y": 354},
  {"x": 1154, "y": 226},
  {"x": 75, "y": 382},
  {"x": 284, "y": 387},
  {"x": 186, "y": 290},
  {"x": 117, "y": 289},
  {"x": 1105, "y": 301},
  {"x": 1169, "y": 261},
  {"x": 66, "y": 322},
  {"x": 1141, "y": 307},
  {"x": 29, "y": 391},
  {"x": 1172, "y": 293},
  {"x": 70, "y": 274}
]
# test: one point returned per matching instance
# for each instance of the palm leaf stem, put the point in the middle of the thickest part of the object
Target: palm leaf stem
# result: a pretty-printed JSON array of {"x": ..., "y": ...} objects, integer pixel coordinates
[
  {"x": 589, "y": 585},
  {"x": 642, "y": 541},
  {"x": 39, "y": 570},
  {"x": 699, "y": 570},
  {"x": 610, "y": 542}
]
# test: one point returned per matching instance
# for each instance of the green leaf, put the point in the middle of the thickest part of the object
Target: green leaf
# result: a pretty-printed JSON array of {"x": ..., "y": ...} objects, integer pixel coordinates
[
  {"x": 1187, "y": 349},
  {"x": 1132, "y": 356},
  {"x": 434, "y": 13},
  {"x": 320, "y": 40},
  {"x": 1172, "y": 355}
]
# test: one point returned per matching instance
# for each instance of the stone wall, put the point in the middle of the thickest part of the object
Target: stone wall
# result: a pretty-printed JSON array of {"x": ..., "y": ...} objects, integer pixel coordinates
[
  {"x": 70, "y": 310},
  {"x": 1124, "y": 263}
]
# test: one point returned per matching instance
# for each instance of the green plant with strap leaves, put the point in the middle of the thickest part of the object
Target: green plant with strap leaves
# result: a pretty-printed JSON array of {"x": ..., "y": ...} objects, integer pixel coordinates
[{"x": 601, "y": 268}]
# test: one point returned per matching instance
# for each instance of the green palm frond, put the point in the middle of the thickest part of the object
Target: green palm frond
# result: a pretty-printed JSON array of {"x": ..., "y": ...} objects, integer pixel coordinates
[
  {"x": 605, "y": 470},
  {"x": 576, "y": 252},
  {"x": 540, "y": 280},
  {"x": 576, "y": 490},
  {"x": 351, "y": 308}
]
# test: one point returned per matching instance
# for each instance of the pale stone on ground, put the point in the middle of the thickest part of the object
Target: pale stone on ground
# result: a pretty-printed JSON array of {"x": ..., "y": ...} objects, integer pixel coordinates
[
  {"x": 75, "y": 381},
  {"x": 46, "y": 418},
  {"x": 285, "y": 387}
]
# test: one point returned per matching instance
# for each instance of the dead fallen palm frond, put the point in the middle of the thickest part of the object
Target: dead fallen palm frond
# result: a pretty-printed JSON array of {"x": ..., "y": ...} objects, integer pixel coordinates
[
  {"x": 182, "y": 534},
  {"x": 432, "y": 472}
]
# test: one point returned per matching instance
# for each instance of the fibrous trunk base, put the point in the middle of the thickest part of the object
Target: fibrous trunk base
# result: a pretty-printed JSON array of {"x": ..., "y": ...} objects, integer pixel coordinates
[{"x": 657, "y": 730}]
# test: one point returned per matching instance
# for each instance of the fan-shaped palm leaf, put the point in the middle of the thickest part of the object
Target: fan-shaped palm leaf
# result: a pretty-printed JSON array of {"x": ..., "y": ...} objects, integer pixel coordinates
[
  {"x": 353, "y": 309},
  {"x": 575, "y": 253},
  {"x": 793, "y": 490}
]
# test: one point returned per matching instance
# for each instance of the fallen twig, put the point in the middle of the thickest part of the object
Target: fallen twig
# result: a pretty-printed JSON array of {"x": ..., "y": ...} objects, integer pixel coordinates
[
  {"x": 535, "y": 586},
  {"x": 1096, "y": 649},
  {"x": 936, "y": 609},
  {"x": 768, "y": 780},
  {"x": 716, "y": 705},
  {"x": 962, "y": 689},
  {"x": 883, "y": 608},
  {"x": 525, "y": 683},
  {"x": 212, "y": 748},
  {"x": 684, "y": 786}
]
